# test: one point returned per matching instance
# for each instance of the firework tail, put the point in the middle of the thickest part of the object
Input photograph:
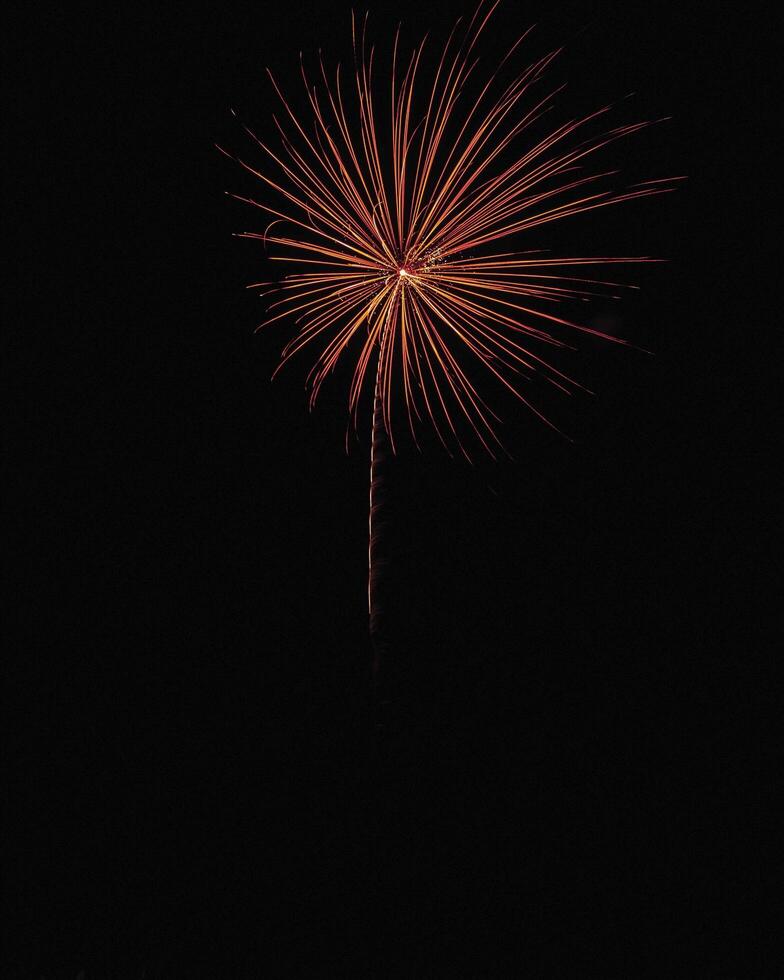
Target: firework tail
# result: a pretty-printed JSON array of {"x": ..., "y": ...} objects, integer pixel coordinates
[{"x": 377, "y": 557}]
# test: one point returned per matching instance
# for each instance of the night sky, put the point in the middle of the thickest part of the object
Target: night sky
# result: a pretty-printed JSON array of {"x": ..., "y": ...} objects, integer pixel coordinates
[{"x": 577, "y": 687}]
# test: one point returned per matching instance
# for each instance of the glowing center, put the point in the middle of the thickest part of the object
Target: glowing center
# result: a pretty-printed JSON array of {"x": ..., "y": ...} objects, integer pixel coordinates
[{"x": 402, "y": 272}]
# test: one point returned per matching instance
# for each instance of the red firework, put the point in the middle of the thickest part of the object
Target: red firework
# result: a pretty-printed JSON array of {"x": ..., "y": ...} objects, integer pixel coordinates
[{"x": 392, "y": 214}]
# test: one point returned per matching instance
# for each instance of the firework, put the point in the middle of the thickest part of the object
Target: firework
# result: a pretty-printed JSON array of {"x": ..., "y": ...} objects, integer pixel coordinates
[{"x": 392, "y": 199}]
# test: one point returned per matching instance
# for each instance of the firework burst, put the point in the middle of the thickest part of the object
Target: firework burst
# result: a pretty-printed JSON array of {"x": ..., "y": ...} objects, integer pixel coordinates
[
  {"x": 395, "y": 229},
  {"x": 393, "y": 199}
]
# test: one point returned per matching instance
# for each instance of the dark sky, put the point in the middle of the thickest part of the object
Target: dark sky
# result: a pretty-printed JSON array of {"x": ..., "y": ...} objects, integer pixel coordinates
[{"x": 574, "y": 693}]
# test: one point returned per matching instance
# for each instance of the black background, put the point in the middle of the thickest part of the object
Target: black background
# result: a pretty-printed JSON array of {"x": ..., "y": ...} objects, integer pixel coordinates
[{"x": 577, "y": 690}]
